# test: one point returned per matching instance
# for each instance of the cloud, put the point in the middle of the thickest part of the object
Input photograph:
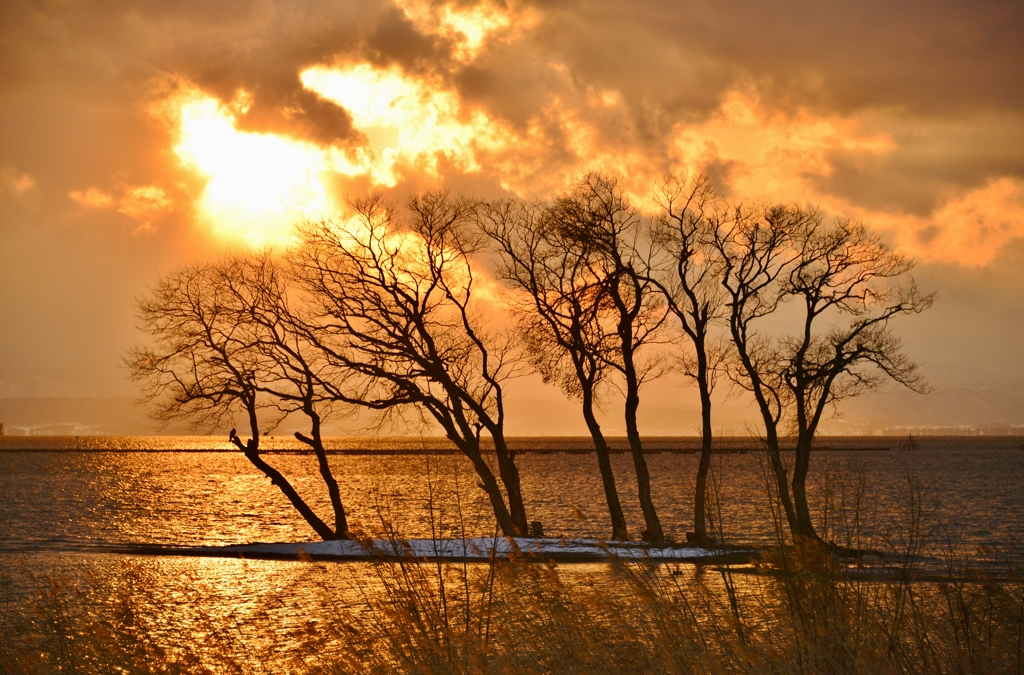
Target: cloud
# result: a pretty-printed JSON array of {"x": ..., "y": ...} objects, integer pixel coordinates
[
  {"x": 765, "y": 152},
  {"x": 93, "y": 198},
  {"x": 140, "y": 202},
  {"x": 14, "y": 181},
  {"x": 405, "y": 122},
  {"x": 967, "y": 229},
  {"x": 918, "y": 56},
  {"x": 469, "y": 27},
  {"x": 789, "y": 103},
  {"x": 144, "y": 203},
  {"x": 407, "y": 126}
]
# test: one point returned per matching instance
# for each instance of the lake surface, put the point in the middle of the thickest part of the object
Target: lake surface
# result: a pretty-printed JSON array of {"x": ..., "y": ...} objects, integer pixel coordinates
[
  {"x": 97, "y": 500},
  {"x": 64, "y": 512}
]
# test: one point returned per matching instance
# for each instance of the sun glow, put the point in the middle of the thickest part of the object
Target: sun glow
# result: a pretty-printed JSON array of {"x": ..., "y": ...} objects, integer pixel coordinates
[{"x": 259, "y": 185}]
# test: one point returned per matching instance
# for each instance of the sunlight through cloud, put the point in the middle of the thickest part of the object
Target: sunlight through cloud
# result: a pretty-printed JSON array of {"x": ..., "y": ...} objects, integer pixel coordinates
[
  {"x": 92, "y": 198},
  {"x": 259, "y": 185},
  {"x": 772, "y": 153},
  {"x": 969, "y": 228},
  {"x": 406, "y": 122},
  {"x": 469, "y": 28}
]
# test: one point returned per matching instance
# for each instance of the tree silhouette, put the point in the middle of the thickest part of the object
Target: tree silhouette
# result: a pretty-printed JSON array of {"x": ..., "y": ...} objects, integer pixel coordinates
[
  {"x": 385, "y": 312},
  {"x": 211, "y": 359},
  {"x": 396, "y": 307},
  {"x": 296, "y": 374},
  {"x": 755, "y": 253},
  {"x": 559, "y": 314},
  {"x": 849, "y": 286},
  {"x": 689, "y": 277},
  {"x": 598, "y": 218}
]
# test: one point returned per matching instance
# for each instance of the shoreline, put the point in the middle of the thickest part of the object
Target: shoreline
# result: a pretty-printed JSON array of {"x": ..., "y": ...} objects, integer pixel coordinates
[
  {"x": 476, "y": 550},
  {"x": 479, "y": 549},
  {"x": 868, "y": 565}
]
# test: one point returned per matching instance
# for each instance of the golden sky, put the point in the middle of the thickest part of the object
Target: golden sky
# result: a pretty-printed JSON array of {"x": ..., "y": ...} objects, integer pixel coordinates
[{"x": 135, "y": 136}]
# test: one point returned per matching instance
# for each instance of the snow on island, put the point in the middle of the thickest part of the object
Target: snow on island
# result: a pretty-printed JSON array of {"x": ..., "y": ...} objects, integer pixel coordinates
[{"x": 474, "y": 549}]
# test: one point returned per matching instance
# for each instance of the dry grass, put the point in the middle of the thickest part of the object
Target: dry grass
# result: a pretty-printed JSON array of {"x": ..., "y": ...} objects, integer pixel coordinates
[{"x": 800, "y": 613}]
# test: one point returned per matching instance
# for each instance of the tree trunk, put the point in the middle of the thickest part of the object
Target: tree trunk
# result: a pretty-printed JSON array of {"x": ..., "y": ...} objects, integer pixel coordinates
[
  {"x": 611, "y": 494},
  {"x": 251, "y": 449},
  {"x": 781, "y": 482},
  {"x": 654, "y": 532},
  {"x": 805, "y": 528},
  {"x": 461, "y": 434},
  {"x": 700, "y": 531},
  {"x": 490, "y": 485},
  {"x": 770, "y": 429},
  {"x": 316, "y": 442},
  {"x": 510, "y": 479}
]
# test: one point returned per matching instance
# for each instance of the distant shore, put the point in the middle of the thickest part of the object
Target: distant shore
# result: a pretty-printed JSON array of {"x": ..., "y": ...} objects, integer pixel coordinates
[
  {"x": 441, "y": 451},
  {"x": 526, "y": 445}
]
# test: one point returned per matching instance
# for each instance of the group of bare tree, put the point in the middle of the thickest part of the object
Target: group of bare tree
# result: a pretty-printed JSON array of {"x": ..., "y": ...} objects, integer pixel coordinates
[{"x": 386, "y": 312}]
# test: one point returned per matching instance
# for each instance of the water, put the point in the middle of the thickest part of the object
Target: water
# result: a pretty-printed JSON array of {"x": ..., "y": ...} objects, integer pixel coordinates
[
  {"x": 65, "y": 513},
  {"x": 96, "y": 500}
]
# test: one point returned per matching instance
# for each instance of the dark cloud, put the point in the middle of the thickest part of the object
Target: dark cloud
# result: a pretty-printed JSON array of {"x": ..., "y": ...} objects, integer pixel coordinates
[
  {"x": 394, "y": 40},
  {"x": 670, "y": 60},
  {"x": 930, "y": 157},
  {"x": 298, "y": 113},
  {"x": 926, "y": 56}
]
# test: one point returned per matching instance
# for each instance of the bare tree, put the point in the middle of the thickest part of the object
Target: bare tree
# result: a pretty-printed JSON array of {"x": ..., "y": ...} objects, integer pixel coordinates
[
  {"x": 599, "y": 219},
  {"x": 296, "y": 375},
  {"x": 210, "y": 361},
  {"x": 690, "y": 280},
  {"x": 755, "y": 253},
  {"x": 559, "y": 315},
  {"x": 848, "y": 286},
  {"x": 398, "y": 309}
]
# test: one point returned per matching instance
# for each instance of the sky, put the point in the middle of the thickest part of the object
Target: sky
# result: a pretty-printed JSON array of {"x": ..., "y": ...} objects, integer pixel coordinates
[{"x": 137, "y": 136}]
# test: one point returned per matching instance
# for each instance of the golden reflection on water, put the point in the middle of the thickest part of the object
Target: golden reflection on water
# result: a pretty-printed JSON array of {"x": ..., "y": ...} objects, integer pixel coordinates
[
  {"x": 282, "y": 615},
  {"x": 71, "y": 501},
  {"x": 54, "y": 505}
]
